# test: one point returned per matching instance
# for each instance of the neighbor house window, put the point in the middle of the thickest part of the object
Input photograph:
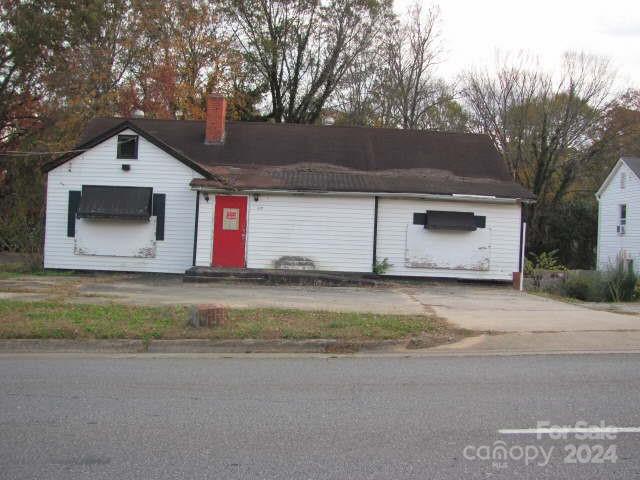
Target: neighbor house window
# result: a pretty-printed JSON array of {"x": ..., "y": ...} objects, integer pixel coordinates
[
  {"x": 128, "y": 146},
  {"x": 622, "y": 224}
]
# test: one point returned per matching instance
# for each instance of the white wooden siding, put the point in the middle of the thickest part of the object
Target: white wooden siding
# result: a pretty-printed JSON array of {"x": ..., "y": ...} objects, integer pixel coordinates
[
  {"x": 205, "y": 230},
  {"x": 501, "y": 236},
  {"x": 334, "y": 232},
  {"x": 610, "y": 243},
  {"x": 99, "y": 166}
]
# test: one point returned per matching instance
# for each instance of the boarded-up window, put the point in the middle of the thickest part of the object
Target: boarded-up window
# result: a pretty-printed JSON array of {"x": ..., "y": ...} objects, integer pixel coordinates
[
  {"x": 447, "y": 249},
  {"x": 113, "y": 237}
]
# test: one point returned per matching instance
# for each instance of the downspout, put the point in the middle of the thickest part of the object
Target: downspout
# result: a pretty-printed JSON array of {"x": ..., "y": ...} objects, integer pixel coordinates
[
  {"x": 521, "y": 253},
  {"x": 195, "y": 230},
  {"x": 375, "y": 233},
  {"x": 521, "y": 256},
  {"x": 524, "y": 240},
  {"x": 44, "y": 219}
]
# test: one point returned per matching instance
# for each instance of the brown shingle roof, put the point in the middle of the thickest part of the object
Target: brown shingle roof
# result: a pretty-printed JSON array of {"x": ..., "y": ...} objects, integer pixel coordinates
[
  {"x": 326, "y": 178},
  {"x": 277, "y": 156}
]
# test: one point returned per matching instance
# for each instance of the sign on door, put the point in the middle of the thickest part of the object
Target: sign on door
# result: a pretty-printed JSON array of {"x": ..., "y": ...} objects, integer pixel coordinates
[{"x": 231, "y": 219}]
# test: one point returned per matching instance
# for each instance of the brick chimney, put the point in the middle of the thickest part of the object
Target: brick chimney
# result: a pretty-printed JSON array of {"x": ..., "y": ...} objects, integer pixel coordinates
[{"x": 216, "y": 111}]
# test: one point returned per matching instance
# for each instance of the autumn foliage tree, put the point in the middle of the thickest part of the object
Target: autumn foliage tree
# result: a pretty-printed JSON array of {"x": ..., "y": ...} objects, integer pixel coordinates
[
  {"x": 27, "y": 40},
  {"x": 184, "y": 52}
]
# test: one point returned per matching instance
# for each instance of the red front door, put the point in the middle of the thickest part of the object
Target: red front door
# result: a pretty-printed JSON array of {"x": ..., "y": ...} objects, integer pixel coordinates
[{"x": 229, "y": 231}]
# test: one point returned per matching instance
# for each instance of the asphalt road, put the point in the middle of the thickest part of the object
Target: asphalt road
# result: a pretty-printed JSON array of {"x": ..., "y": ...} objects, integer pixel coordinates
[{"x": 312, "y": 418}]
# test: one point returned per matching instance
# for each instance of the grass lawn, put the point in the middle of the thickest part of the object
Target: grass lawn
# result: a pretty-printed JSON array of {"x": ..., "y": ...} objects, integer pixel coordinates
[{"x": 23, "y": 319}]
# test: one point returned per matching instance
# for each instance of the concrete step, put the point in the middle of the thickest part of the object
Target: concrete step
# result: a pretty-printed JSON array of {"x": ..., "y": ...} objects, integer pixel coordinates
[
  {"x": 289, "y": 277},
  {"x": 222, "y": 278}
]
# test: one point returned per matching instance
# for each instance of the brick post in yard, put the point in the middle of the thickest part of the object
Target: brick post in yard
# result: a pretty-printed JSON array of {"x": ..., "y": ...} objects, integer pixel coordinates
[{"x": 208, "y": 315}]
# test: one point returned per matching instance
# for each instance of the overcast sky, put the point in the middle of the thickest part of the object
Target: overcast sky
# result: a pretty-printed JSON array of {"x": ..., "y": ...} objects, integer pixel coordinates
[{"x": 473, "y": 30}]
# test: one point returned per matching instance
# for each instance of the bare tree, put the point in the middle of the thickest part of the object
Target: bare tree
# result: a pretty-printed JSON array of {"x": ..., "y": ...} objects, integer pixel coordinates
[
  {"x": 544, "y": 126},
  {"x": 411, "y": 53},
  {"x": 395, "y": 83},
  {"x": 500, "y": 101},
  {"x": 547, "y": 127},
  {"x": 303, "y": 48},
  {"x": 356, "y": 99}
]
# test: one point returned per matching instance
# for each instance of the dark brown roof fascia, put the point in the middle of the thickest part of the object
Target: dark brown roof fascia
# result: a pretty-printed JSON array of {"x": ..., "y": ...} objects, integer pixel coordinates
[{"x": 197, "y": 185}]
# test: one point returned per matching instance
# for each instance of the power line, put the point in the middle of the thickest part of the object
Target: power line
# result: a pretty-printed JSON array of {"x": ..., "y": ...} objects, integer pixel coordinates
[
  {"x": 12, "y": 153},
  {"x": 25, "y": 154}
]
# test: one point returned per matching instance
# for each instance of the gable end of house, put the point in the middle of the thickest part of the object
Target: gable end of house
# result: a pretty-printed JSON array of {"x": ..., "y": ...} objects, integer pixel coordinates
[
  {"x": 632, "y": 165},
  {"x": 117, "y": 129}
]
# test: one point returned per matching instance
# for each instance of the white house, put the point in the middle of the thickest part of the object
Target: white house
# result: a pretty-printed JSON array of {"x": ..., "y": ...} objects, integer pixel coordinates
[
  {"x": 166, "y": 195},
  {"x": 619, "y": 215}
]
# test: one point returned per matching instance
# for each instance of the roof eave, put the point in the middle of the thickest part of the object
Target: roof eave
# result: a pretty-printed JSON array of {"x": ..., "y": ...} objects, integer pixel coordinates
[{"x": 432, "y": 196}]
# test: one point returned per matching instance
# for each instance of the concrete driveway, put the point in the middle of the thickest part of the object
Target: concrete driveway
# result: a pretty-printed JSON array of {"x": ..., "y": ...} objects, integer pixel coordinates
[
  {"x": 477, "y": 307},
  {"x": 504, "y": 309},
  {"x": 473, "y": 306}
]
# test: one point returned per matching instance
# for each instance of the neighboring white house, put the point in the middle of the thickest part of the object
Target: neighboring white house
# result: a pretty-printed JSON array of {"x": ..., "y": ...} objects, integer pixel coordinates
[
  {"x": 167, "y": 195},
  {"x": 619, "y": 215}
]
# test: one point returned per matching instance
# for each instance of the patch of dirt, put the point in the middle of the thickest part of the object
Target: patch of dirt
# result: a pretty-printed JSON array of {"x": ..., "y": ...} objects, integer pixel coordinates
[
  {"x": 60, "y": 287},
  {"x": 343, "y": 347},
  {"x": 55, "y": 288},
  {"x": 430, "y": 340}
]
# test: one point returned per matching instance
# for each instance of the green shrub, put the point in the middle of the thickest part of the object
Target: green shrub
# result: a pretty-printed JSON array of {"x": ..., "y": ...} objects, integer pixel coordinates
[
  {"x": 617, "y": 284},
  {"x": 544, "y": 261},
  {"x": 538, "y": 264},
  {"x": 587, "y": 285},
  {"x": 381, "y": 267},
  {"x": 621, "y": 283}
]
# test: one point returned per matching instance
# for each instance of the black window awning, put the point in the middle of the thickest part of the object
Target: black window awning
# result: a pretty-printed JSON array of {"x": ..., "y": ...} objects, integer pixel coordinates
[
  {"x": 115, "y": 202},
  {"x": 441, "y": 220}
]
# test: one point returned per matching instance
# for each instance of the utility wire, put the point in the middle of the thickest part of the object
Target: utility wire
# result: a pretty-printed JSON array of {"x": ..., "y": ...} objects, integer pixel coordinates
[{"x": 24, "y": 154}]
